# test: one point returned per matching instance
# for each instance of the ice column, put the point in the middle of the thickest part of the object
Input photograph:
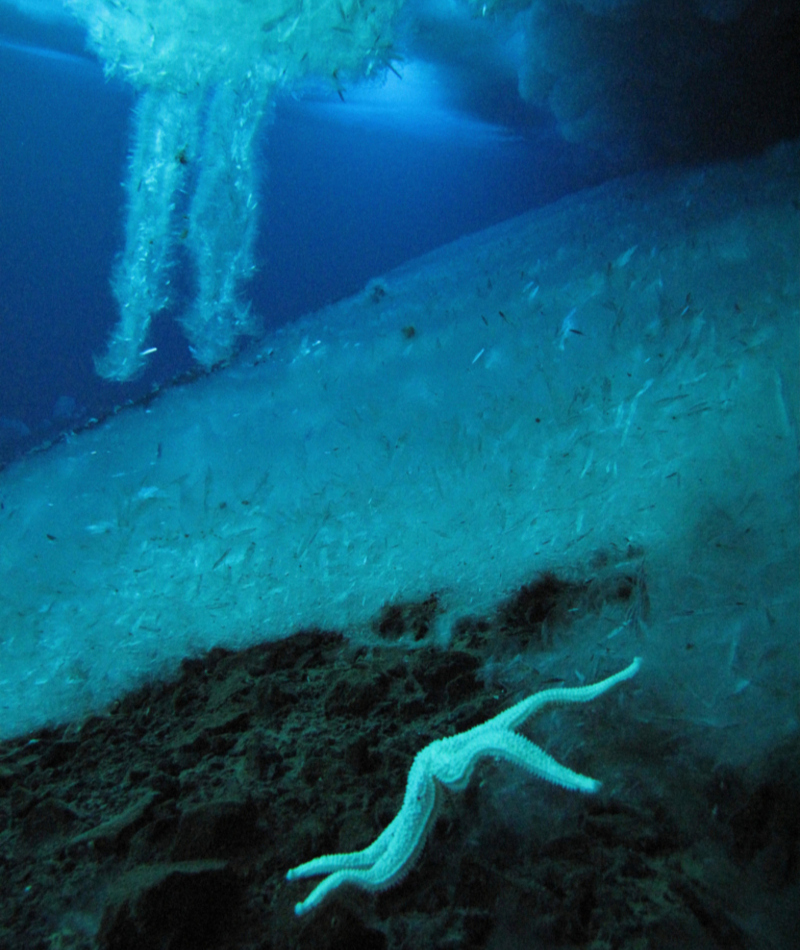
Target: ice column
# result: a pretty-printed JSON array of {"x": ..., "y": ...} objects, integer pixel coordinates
[
  {"x": 166, "y": 128},
  {"x": 222, "y": 220}
]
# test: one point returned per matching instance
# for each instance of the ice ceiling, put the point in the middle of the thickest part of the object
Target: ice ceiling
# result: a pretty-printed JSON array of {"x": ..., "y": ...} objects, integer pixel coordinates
[{"x": 642, "y": 80}]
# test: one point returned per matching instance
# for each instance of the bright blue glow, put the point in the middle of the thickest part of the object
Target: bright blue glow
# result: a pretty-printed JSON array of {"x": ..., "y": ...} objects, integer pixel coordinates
[{"x": 413, "y": 98}]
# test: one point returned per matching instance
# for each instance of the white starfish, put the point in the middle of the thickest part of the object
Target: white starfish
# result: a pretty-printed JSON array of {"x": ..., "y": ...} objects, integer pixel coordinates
[{"x": 450, "y": 762}]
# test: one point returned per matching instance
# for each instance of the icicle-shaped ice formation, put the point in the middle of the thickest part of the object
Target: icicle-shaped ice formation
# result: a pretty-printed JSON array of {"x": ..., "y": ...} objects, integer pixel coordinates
[
  {"x": 207, "y": 71},
  {"x": 166, "y": 132}
]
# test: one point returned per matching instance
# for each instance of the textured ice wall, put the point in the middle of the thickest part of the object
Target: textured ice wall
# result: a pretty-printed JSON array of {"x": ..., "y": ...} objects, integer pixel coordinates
[{"x": 612, "y": 377}]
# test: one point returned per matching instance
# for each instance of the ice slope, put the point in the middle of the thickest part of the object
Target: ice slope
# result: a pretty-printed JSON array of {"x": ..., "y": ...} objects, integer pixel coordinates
[{"x": 610, "y": 378}]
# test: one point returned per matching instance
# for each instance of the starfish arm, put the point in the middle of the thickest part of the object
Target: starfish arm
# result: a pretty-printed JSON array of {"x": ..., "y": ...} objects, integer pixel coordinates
[
  {"x": 413, "y": 825},
  {"x": 377, "y": 878},
  {"x": 499, "y": 744},
  {"x": 392, "y": 854},
  {"x": 327, "y": 863},
  {"x": 325, "y": 886},
  {"x": 513, "y": 717}
]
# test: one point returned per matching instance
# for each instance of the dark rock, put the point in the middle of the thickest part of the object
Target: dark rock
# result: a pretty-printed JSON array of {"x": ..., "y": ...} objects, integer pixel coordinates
[
  {"x": 47, "y": 819},
  {"x": 181, "y": 906},
  {"x": 113, "y": 835},
  {"x": 216, "y": 829}
]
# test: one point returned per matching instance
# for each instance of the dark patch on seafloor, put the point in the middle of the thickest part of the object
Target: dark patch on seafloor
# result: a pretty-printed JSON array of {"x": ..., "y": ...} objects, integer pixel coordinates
[{"x": 170, "y": 822}]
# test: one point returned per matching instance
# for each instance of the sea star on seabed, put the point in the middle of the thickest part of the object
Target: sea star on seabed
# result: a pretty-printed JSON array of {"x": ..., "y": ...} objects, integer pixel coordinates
[{"x": 451, "y": 762}]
